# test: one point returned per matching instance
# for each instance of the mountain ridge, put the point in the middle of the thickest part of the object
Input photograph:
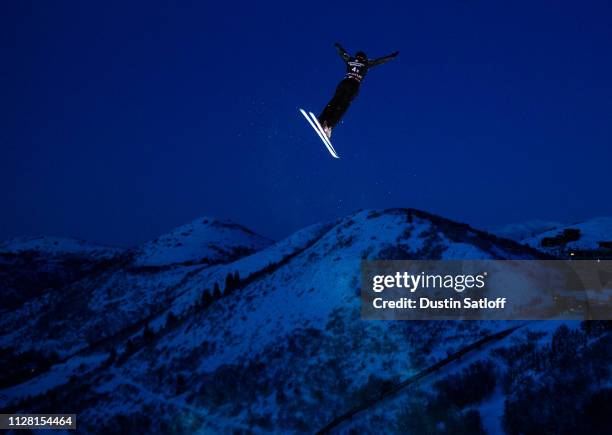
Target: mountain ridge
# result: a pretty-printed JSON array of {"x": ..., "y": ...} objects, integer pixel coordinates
[{"x": 243, "y": 343}]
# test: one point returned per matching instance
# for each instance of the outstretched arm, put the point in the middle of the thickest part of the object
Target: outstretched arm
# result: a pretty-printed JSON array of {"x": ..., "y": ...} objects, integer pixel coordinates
[
  {"x": 343, "y": 54},
  {"x": 381, "y": 60}
]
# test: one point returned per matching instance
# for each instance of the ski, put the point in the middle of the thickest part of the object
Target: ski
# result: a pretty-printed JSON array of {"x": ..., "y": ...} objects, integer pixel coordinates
[
  {"x": 328, "y": 142},
  {"x": 314, "y": 123}
]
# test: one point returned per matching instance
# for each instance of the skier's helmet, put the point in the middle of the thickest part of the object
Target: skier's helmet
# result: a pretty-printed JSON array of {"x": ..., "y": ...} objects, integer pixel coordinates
[{"x": 361, "y": 55}]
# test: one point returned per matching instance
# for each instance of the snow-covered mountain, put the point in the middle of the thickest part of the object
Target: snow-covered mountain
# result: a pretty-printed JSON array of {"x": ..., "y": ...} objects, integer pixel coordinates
[
  {"x": 205, "y": 240},
  {"x": 272, "y": 340},
  {"x": 103, "y": 290},
  {"x": 32, "y": 266},
  {"x": 590, "y": 235},
  {"x": 523, "y": 230},
  {"x": 57, "y": 246}
]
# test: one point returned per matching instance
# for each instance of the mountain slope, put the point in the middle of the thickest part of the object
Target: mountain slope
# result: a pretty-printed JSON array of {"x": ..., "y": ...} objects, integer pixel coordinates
[
  {"x": 72, "y": 295},
  {"x": 205, "y": 240},
  {"x": 523, "y": 230},
  {"x": 31, "y": 266},
  {"x": 98, "y": 305},
  {"x": 270, "y": 342},
  {"x": 591, "y": 233}
]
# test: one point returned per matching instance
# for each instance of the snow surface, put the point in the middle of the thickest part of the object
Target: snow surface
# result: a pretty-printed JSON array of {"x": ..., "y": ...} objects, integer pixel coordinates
[
  {"x": 58, "y": 375},
  {"x": 204, "y": 239}
]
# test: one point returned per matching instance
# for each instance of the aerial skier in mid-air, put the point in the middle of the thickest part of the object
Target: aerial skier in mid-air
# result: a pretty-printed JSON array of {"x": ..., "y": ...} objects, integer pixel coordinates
[{"x": 356, "y": 68}]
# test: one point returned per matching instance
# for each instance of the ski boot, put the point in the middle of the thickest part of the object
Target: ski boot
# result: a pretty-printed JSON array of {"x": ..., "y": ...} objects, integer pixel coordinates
[{"x": 327, "y": 130}]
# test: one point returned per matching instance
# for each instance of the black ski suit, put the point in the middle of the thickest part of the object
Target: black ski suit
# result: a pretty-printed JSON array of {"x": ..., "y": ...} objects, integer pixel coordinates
[{"x": 347, "y": 90}]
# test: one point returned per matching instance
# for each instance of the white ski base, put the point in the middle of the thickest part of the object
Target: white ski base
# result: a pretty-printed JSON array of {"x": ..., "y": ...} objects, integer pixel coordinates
[{"x": 314, "y": 123}]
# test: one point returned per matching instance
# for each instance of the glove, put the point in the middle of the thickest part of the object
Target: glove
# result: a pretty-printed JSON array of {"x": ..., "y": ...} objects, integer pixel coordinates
[{"x": 394, "y": 54}]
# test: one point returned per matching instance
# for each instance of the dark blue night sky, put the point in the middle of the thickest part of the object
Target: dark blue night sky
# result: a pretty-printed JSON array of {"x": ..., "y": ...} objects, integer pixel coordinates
[{"x": 122, "y": 120}]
